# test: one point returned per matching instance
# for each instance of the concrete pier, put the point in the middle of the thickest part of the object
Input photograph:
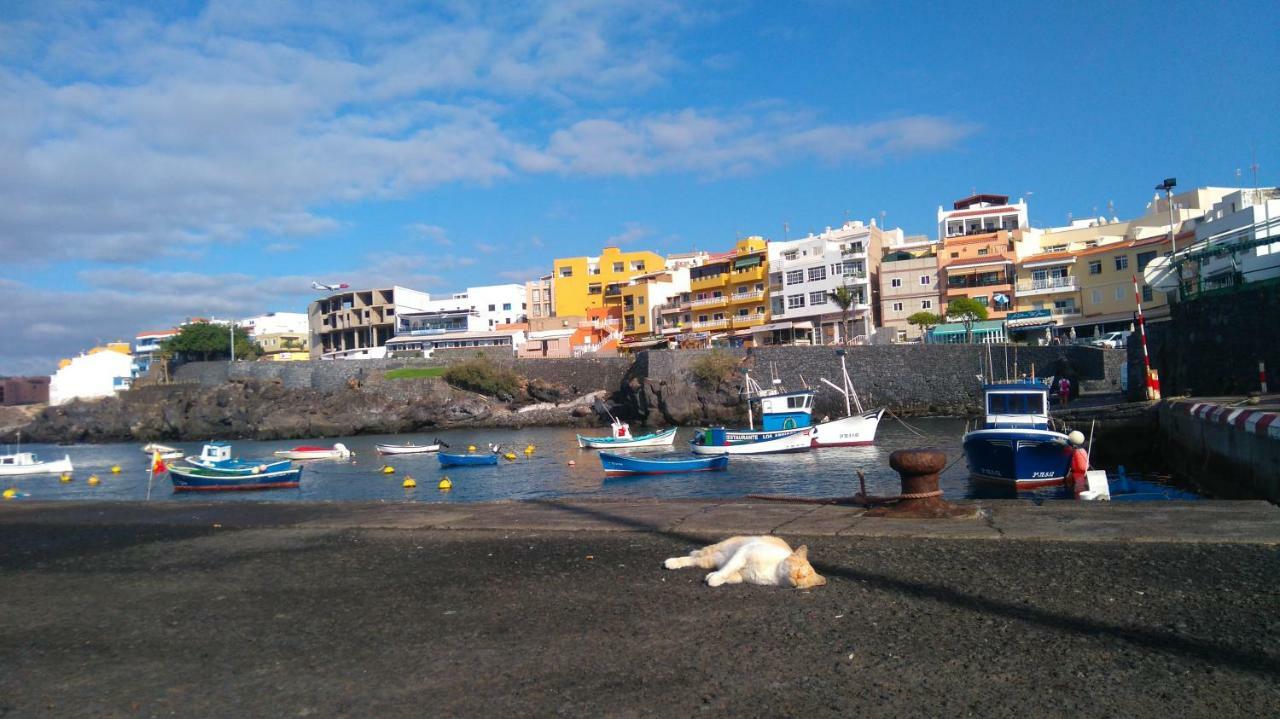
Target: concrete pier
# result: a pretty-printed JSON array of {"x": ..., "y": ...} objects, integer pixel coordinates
[{"x": 269, "y": 609}]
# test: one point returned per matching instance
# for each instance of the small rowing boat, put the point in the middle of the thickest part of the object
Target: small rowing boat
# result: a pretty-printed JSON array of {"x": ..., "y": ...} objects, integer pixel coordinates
[
  {"x": 621, "y": 438},
  {"x": 466, "y": 460},
  {"x": 616, "y": 465},
  {"x": 29, "y": 463},
  {"x": 196, "y": 479},
  {"x": 166, "y": 452},
  {"x": 337, "y": 451},
  {"x": 410, "y": 448}
]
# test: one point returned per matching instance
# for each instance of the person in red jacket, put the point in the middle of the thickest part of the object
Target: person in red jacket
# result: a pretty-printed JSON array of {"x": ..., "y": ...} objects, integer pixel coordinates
[
  {"x": 1064, "y": 391},
  {"x": 1077, "y": 475}
]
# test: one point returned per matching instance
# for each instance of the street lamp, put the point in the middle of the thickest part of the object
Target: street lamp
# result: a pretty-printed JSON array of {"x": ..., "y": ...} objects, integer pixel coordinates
[{"x": 1168, "y": 185}]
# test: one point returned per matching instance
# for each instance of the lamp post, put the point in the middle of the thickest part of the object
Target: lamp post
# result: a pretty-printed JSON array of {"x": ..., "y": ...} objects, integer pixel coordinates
[
  {"x": 232, "y": 325},
  {"x": 1168, "y": 185}
]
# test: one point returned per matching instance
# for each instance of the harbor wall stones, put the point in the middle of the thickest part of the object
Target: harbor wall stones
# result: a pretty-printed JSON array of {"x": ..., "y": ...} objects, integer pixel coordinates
[{"x": 1211, "y": 345}]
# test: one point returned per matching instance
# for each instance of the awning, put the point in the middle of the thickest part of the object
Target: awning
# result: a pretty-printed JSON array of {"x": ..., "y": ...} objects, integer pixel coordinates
[
  {"x": 777, "y": 326},
  {"x": 551, "y": 334},
  {"x": 957, "y": 328},
  {"x": 1027, "y": 323},
  {"x": 957, "y": 267},
  {"x": 749, "y": 261},
  {"x": 642, "y": 344},
  {"x": 1050, "y": 263}
]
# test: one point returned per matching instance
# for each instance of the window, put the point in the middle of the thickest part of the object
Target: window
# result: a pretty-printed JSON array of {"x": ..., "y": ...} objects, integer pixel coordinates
[
  {"x": 895, "y": 282},
  {"x": 926, "y": 280},
  {"x": 954, "y": 255},
  {"x": 1096, "y": 297},
  {"x": 617, "y": 266},
  {"x": 790, "y": 255},
  {"x": 837, "y": 269},
  {"x": 817, "y": 273},
  {"x": 1144, "y": 259},
  {"x": 1120, "y": 292},
  {"x": 1122, "y": 263},
  {"x": 897, "y": 306},
  {"x": 983, "y": 251},
  {"x": 566, "y": 272},
  {"x": 641, "y": 319},
  {"x": 639, "y": 299},
  {"x": 637, "y": 265},
  {"x": 926, "y": 304},
  {"x": 506, "y": 306},
  {"x": 593, "y": 288},
  {"x": 817, "y": 298},
  {"x": 742, "y": 311},
  {"x": 492, "y": 308},
  {"x": 795, "y": 277},
  {"x": 1095, "y": 267},
  {"x": 537, "y": 295},
  {"x": 794, "y": 301},
  {"x": 1146, "y": 293}
]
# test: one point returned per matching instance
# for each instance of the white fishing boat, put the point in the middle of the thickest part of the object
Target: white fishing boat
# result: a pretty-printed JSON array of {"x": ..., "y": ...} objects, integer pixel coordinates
[
  {"x": 621, "y": 438},
  {"x": 28, "y": 463},
  {"x": 784, "y": 424},
  {"x": 410, "y": 448},
  {"x": 166, "y": 452},
  {"x": 337, "y": 451},
  {"x": 853, "y": 429}
]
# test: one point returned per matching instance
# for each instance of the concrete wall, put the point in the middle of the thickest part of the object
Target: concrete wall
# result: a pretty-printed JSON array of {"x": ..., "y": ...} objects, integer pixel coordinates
[
  {"x": 1211, "y": 346},
  {"x": 1217, "y": 446}
]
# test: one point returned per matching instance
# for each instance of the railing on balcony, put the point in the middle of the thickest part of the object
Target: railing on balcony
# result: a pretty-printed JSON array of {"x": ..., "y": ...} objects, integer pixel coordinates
[
  {"x": 1048, "y": 284},
  {"x": 708, "y": 301},
  {"x": 745, "y": 296},
  {"x": 1066, "y": 311},
  {"x": 710, "y": 325}
]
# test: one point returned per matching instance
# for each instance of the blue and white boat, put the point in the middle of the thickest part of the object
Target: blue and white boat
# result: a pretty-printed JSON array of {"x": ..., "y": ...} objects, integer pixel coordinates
[
  {"x": 1015, "y": 444},
  {"x": 621, "y": 438},
  {"x": 784, "y": 424},
  {"x": 448, "y": 459},
  {"x": 617, "y": 465},
  {"x": 197, "y": 479},
  {"x": 216, "y": 456}
]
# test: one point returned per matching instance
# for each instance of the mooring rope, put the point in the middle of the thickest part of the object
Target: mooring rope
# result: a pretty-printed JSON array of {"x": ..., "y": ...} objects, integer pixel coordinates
[{"x": 913, "y": 430}]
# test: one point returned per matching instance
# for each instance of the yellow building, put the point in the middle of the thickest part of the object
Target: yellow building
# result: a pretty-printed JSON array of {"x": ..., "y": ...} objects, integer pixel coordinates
[
  {"x": 729, "y": 293},
  {"x": 1047, "y": 282},
  {"x": 283, "y": 346},
  {"x": 580, "y": 284},
  {"x": 1106, "y": 275}
]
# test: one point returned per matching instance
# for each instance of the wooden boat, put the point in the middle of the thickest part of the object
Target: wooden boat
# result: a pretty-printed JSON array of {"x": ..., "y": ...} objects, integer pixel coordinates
[
  {"x": 465, "y": 460},
  {"x": 216, "y": 456},
  {"x": 166, "y": 452},
  {"x": 784, "y": 424},
  {"x": 196, "y": 479},
  {"x": 1015, "y": 445},
  {"x": 621, "y": 438},
  {"x": 19, "y": 463},
  {"x": 853, "y": 429},
  {"x": 616, "y": 465},
  {"x": 337, "y": 451},
  {"x": 410, "y": 448}
]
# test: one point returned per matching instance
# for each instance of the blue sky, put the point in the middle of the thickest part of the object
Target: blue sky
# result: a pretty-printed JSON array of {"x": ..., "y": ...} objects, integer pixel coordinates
[{"x": 167, "y": 160}]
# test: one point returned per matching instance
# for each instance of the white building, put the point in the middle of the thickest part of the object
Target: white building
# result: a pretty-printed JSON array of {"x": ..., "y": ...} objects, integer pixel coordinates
[
  {"x": 356, "y": 324},
  {"x": 474, "y": 318},
  {"x": 100, "y": 372},
  {"x": 981, "y": 214},
  {"x": 145, "y": 347},
  {"x": 275, "y": 323},
  {"x": 803, "y": 272},
  {"x": 1237, "y": 241}
]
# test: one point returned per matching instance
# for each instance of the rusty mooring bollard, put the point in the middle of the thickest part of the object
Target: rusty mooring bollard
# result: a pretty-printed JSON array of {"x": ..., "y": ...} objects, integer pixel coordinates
[{"x": 921, "y": 497}]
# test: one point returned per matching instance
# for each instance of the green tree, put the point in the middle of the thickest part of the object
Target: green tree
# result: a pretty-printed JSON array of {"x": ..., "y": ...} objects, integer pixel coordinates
[
  {"x": 844, "y": 297},
  {"x": 967, "y": 310},
  {"x": 924, "y": 320},
  {"x": 209, "y": 341}
]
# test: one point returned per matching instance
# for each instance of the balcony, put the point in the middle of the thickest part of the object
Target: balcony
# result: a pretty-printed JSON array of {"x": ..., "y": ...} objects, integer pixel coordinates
[
  {"x": 707, "y": 301},
  {"x": 1066, "y": 312},
  {"x": 748, "y": 321},
  {"x": 748, "y": 296},
  {"x": 1047, "y": 285},
  {"x": 709, "y": 325}
]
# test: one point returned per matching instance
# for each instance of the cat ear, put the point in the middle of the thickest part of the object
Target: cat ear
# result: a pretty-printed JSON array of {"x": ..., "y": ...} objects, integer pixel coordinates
[{"x": 802, "y": 551}]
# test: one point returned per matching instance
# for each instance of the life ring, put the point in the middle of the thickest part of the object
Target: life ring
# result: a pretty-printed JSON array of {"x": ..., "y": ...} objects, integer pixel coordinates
[{"x": 789, "y": 423}]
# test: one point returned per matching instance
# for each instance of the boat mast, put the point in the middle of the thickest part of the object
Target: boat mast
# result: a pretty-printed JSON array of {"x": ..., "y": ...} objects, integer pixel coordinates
[
  {"x": 746, "y": 374},
  {"x": 848, "y": 383}
]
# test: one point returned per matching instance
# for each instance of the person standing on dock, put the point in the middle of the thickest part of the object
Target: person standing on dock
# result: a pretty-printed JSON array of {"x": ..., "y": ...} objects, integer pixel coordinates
[{"x": 1064, "y": 390}]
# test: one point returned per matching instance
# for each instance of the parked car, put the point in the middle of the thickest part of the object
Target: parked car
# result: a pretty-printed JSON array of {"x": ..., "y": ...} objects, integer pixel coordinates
[{"x": 1112, "y": 340}]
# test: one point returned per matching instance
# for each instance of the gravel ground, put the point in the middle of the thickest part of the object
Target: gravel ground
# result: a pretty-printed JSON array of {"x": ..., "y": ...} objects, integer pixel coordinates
[{"x": 159, "y": 621}]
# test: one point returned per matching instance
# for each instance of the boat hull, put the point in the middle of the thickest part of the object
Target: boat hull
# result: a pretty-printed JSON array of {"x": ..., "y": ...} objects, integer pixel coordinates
[
  {"x": 242, "y": 468},
  {"x": 407, "y": 448},
  {"x": 466, "y": 460},
  {"x": 622, "y": 466},
  {"x": 57, "y": 466},
  {"x": 1025, "y": 458},
  {"x": 720, "y": 441},
  {"x": 852, "y": 431},
  {"x": 665, "y": 438},
  {"x": 166, "y": 452},
  {"x": 337, "y": 451},
  {"x": 200, "y": 480}
]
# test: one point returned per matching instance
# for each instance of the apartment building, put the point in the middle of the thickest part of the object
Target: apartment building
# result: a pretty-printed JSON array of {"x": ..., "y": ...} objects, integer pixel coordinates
[
  {"x": 580, "y": 284},
  {"x": 283, "y": 346},
  {"x": 804, "y": 273},
  {"x": 539, "y": 297},
  {"x": 275, "y": 323},
  {"x": 354, "y": 324},
  {"x": 146, "y": 347},
  {"x": 100, "y": 372},
  {"x": 727, "y": 298},
  {"x": 488, "y": 316},
  {"x": 908, "y": 284},
  {"x": 643, "y": 298},
  {"x": 977, "y": 255},
  {"x": 1237, "y": 241}
]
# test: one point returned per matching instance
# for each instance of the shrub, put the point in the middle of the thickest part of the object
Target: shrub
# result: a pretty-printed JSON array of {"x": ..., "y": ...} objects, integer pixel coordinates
[
  {"x": 713, "y": 368},
  {"x": 483, "y": 376},
  {"x": 415, "y": 372}
]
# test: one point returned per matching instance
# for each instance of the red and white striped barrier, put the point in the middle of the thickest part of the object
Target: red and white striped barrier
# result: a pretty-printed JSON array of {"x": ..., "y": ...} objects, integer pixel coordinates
[{"x": 1263, "y": 424}]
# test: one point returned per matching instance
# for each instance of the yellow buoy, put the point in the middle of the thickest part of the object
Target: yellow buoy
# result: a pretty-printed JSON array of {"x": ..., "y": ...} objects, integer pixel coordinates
[
  {"x": 528, "y": 450},
  {"x": 10, "y": 493},
  {"x": 388, "y": 470},
  {"x": 445, "y": 484},
  {"x": 510, "y": 455},
  {"x": 65, "y": 477},
  {"x": 93, "y": 479},
  {"x": 115, "y": 469},
  {"x": 471, "y": 448},
  {"x": 409, "y": 483}
]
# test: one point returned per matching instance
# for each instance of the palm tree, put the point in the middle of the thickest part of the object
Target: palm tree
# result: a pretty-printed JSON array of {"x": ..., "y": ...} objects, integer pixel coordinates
[{"x": 845, "y": 297}]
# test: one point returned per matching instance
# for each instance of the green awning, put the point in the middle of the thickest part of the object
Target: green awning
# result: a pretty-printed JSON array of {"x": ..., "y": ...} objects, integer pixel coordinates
[
  {"x": 750, "y": 261},
  {"x": 957, "y": 328}
]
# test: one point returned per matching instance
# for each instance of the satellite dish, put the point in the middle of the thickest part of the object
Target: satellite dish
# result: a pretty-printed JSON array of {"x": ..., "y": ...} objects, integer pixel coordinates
[{"x": 1161, "y": 274}]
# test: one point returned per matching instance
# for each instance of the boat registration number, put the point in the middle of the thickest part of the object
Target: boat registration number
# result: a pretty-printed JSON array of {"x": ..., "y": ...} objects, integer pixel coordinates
[{"x": 1042, "y": 475}]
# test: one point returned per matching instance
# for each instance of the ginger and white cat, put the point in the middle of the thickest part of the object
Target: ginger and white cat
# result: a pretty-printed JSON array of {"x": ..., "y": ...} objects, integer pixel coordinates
[{"x": 754, "y": 560}]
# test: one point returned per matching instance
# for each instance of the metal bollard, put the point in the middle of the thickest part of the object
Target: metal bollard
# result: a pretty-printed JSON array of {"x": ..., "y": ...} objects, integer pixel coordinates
[{"x": 921, "y": 498}]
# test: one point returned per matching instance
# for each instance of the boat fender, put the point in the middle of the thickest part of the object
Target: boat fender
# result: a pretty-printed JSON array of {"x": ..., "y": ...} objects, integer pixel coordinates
[
  {"x": 572, "y": 463},
  {"x": 66, "y": 477},
  {"x": 115, "y": 469},
  {"x": 445, "y": 484},
  {"x": 388, "y": 469},
  {"x": 409, "y": 483},
  {"x": 471, "y": 448},
  {"x": 93, "y": 480},
  {"x": 510, "y": 455}
]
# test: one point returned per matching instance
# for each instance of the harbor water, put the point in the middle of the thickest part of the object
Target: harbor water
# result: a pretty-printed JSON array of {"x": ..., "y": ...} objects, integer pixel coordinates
[{"x": 556, "y": 468}]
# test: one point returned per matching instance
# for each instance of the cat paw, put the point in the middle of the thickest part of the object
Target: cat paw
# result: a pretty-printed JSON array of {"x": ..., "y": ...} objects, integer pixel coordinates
[
  {"x": 715, "y": 579},
  {"x": 673, "y": 563}
]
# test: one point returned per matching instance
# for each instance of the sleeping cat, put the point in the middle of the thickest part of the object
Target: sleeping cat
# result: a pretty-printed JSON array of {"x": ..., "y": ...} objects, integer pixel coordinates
[{"x": 754, "y": 560}]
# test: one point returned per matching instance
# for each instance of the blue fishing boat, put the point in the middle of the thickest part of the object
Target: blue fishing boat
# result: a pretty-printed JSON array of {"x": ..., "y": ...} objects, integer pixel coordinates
[
  {"x": 1015, "y": 445},
  {"x": 784, "y": 424},
  {"x": 464, "y": 460},
  {"x": 216, "y": 456},
  {"x": 616, "y": 465},
  {"x": 197, "y": 479}
]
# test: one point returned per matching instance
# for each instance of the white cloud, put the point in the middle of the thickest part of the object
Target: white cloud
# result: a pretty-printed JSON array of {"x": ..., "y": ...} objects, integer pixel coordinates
[
  {"x": 485, "y": 248},
  {"x": 632, "y": 232},
  {"x": 279, "y": 248},
  {"x": 525, "y": 274},
  {"x": 435, "y": 233}
]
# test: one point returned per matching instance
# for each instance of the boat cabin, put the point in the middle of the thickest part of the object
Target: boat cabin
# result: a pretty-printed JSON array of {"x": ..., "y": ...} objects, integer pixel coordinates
[
  {"x": 1017, "y": 405},
  {"x": 216, "y": 452},
  {"x": 787, "y": 410},
  {"x": 21, "y": 459}
]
